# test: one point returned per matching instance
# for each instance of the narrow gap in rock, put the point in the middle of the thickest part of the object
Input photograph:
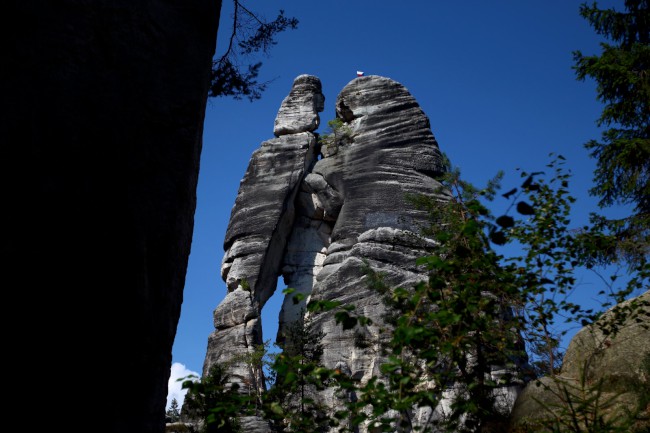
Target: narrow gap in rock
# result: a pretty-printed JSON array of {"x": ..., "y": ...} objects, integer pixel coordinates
[{"x": 271, "y": 318}]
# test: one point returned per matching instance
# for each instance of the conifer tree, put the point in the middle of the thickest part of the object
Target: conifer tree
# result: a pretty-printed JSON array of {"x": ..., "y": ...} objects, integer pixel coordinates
[
  {"x": 622, "y": 75},
  {"x": 232, "y": 74},
  {"x": 173, "y": 413}
]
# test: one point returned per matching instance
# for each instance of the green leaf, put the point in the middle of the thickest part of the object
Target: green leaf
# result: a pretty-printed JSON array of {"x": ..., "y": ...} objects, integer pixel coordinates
[
  {"x": 509, "y": 193},
  {"x": 498, "y": 237},
  {"x": 347, "y": 321},
  {"x": 505, "y": 221},
  {"x": 319, "y": 306},
  {"x": 277, "y": 409},
  {"x": 528, "y": 183},
  {"x": 525, "y": 209},
  {"x": 290, "y": 378}
]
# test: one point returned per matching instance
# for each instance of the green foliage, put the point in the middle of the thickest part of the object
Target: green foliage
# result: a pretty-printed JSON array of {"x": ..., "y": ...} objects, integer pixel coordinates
[
  {"x": 622, "y": 75},
  {"x": 255, "y": 384},
  {"x": 545, "y": 356},
  {"x": 173, "y": 413},
  {"x": 338, "y": 133},
  {"x": 216, "y": 402},
  {"x": 287, "y": 398},
  {"x": 450, "y": 330},
  {"x": 480, "y": 309},
  {"x": 546, "y": 269},
  {"x": 250, "y": 34},
  {"x": 553, "y": 252},
  {"x": 292, "y": 404},
  {"x": 584, "y": 406},
  {"x": 477, "y": 310},
  {"x": 621, "y": 72}
]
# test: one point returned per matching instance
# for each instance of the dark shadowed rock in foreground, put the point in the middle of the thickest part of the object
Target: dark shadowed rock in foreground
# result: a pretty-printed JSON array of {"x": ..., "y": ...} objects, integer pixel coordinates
[{"x": 103, "y": 108}]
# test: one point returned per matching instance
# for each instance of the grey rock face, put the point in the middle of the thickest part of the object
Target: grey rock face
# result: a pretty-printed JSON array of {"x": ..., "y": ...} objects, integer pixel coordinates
[
  {"x": 321, "y": 222},
  {"x": 299, "y": 110},
  {"x": 360, "y": 192},
  {"x": 261, "y": 223},
  {"x": 264, "y": 210},
  {"x": 392, "y": 154},
  {"x": 100, "y": 179}
]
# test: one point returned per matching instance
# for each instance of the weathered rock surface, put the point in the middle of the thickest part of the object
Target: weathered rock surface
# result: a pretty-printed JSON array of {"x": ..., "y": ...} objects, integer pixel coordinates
[
  {"x": 321, "y": 222},
  {"x": 386, "y": 155},
  {"x": 614, "y": 366},
  {"x": 103, "y": 108},
  {"x": 299, "y": 110},
  {"x": 390, "y": 152},
  {"x": 261, "y": 223}
]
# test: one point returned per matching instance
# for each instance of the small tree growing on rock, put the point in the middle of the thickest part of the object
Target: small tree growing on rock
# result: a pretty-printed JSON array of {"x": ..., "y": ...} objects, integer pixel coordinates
[
  {"x": 339, "y": 133},
  {"x": 173, "y": 413}
]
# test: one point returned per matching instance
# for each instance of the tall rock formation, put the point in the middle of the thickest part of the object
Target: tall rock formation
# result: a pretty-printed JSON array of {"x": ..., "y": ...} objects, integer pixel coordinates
[
  {"x": 318, "y": 212},
  {"x": 103, "y": 108},
  {"x": 260, "y": 225}
]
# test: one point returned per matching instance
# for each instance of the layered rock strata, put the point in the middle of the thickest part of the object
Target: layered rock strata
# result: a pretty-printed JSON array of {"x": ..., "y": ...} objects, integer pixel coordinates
[
  {"x": 320, "y": 212},
  {"x": 388, "y": 154},
  {"x": 261, "y": 223}
]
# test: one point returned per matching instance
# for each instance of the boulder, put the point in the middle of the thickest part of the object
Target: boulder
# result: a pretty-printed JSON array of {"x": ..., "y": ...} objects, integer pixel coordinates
[{"x": 603, "y": 373}]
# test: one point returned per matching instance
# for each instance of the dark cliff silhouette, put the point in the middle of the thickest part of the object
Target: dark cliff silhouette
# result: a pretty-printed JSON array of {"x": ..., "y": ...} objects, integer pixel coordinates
[{"x": 102, "y": 121}]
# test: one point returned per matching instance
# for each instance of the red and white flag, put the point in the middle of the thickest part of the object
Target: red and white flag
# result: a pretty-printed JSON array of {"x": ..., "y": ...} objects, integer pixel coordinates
[{"x": 359, "y": 73}]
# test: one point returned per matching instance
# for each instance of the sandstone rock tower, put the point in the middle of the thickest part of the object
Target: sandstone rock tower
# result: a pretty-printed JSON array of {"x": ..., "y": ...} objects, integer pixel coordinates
[
  {"x": 260, "y": 225},
  {"x": 314, "y": 220},
  {"x": 318, "y": 212}
]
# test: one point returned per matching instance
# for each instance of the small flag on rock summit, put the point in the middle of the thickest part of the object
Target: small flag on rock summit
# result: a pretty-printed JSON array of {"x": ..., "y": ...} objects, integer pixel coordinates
[{"x": 359, "y": 73}]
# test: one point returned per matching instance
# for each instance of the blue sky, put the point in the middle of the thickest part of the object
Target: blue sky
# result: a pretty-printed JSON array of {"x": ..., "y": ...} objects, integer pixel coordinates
[{"x": 494, "y": 78}]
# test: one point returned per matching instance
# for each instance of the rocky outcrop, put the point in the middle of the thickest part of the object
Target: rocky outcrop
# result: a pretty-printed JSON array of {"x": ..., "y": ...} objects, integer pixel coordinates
[
  {"x": 383, "y": 155},
  {"x": 319, "y": 212},
  {"x": 299, "y": 110},
  {"x": 101, "y": 126},
  {"x": 384, "y": 152},
  {"x": 260, "y": 225},
  {"x": 602, "y": 373},
  {"x": 310, "y": 219}
]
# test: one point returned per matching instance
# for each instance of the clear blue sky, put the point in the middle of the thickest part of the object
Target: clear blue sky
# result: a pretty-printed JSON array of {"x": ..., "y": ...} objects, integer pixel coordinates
[{"x": 494, "y": 78}]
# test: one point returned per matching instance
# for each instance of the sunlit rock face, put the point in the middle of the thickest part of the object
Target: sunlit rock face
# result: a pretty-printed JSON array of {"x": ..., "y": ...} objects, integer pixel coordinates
[
  {"x": 387, "y": 154},
  {"x": 320, "y": 212},
  {"x": 299, "y": 110},
  {"x": 260, "y": 226},
  {"x": 363, "y": 183},
  {"x": 256, "y": 238}
]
